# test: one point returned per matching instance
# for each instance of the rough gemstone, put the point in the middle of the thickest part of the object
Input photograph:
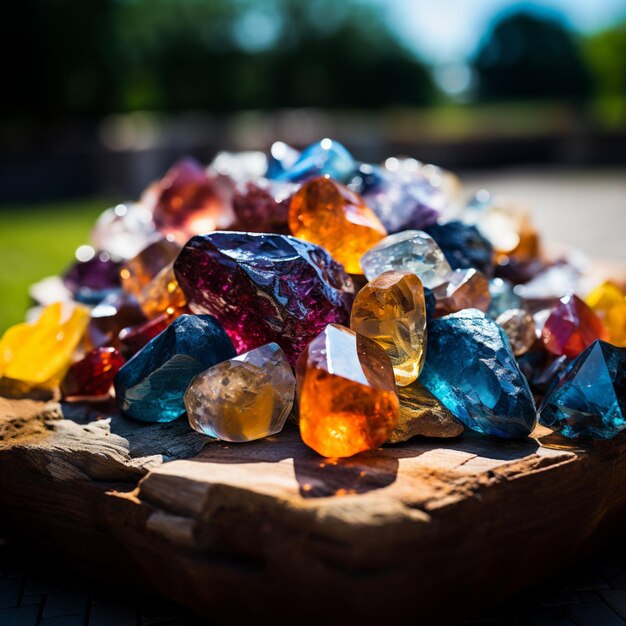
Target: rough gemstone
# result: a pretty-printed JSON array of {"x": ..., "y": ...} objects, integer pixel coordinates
[
  {"x": 463, "y": 246},
  {"x": 609, "y": 303},
  {"x": 464, "y": 289},
  {"x": 93, "y": 278},
  {"x": 281, "y": 159},
  {"x": 245, "y": 398},
  {"x": 239, "y": 166},
  {"x": 189, "y": 202},
  {"x": 589, "y": 400},
  {"x": 162, "y": 295},
  {"x": 264, "y": 288},
  {"x": 325, "y": 158},
  {"x": 472, "y": 371},
  {"x": 107, "y": 319},
  {"x": 40, "y": 352},
  {"x": 151, "y": 386},
  {"x": 346, "y": 393},
  {"x": 391, "y": 310},
  {"x": 571, "y": 327},
  {"x": 93, "y": 375},
  {"x": 552, "y": 283},
  {"x": 421, "y": 414},
  {"x": 412, "y": 251},
  {"x": 519, "y": 327},
  {"x": 328, "y": 214},
  {"x": 132, "y": 338},
  {"x": 503, "y": 297}
]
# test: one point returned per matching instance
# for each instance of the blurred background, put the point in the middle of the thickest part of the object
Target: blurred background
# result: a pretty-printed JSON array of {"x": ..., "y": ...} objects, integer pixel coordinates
[{"x": 100, "y": 97}]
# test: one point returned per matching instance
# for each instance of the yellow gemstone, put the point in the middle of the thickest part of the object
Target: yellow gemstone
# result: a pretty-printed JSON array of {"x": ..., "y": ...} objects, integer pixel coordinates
[
  {"x": 40, "y": 352},
  {"x": 137, "y": 272},
  {"x": 328, "y": 214},
  {"x": 609, "y": 303},
  {"x": 390, "y": 310},
  {"x": 162, "y": 294}
]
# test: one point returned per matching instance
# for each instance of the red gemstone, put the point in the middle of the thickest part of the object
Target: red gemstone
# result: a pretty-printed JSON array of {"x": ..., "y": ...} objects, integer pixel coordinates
[
  {"x": 571, "y": 327},
  {"x": 262, "y": 207},
  {"x": 134, "y": 338},
  {"x": 93, "y": 375},
  {"x": 109, "y": 317}
]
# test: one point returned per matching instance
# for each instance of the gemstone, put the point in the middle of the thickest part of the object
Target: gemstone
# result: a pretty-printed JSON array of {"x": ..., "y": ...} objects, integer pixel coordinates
[
  {"x": 571, "y": 327},
  {"x": 463, "y": 246},
  {"x": 282, "y": 157},
  {"x": 189, "y": 201},
  {"x": 421, "y": 414},
  {"x": 132, "y": 338},
  {"x": 503, "y": 297},
  {"x": 328, "y": 214},
  {"x": 324, "y": 158},
  {"x": 391, "y": 310},
  {"x": 609, "y": 303},
  {"x": 93, "y": 277},
  {"x": 162, "y": 295},
  {"x": 40, "y": 352},
  {"x": 367, "y": 178},
  {"x": 93, "y": 375},
  {"x": 412, "y": 251},
  {"x": 519, "y": 327},
  {"x": 589, "y": 400},
  {"x": 264, "y": 288},
  {"x": 346, "y": 393},
  {"x": 551, "y": 284},
  {"x": 472, "y": 371},
  {"x": 239, "y": 166},
  {"x": 464, "y": 289},
  {"x": 137, "y": 272},
  {"x": 151, "y": 386},
  {"x": 124, "y": 230},
  {"x": 107, "y": 319},
  {"x": 546, "y": 377},
  {"x": 244, "y": 398},
  {"x": 49, "y": 290}
]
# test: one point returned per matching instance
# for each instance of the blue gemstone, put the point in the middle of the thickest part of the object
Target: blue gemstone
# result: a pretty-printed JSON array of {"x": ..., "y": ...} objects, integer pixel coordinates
[
  {"x": 326, "y": 157},
  {"x": 430, "y": 302},
  {"x": 503, "y": 297},
  {"x": 366, "y": 179},
  {"x": 471, "y": 370},
  {"x": 151, "y": 385},
  {"x": 463, "y": 246},
  {"x": 589, "y": 399},
  {"x": 281, "y": 158}
]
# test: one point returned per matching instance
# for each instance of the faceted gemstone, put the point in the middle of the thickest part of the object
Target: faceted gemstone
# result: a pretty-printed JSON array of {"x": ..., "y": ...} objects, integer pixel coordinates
[
  {"x": 464, "y": 289},
  {"x": 328, "y": 214},
  {"x": 589, "y": 400},
  {"x": 346, "y": 393},
  {"x": 264, "y": 288},
  {"x": 609, "y": 303},
  {"x": 162, "y": 295},
  {"x": 503, "y": 297},
  {"x": 391, "y": 310},
  {"x": 107, "y": 319},
  {"x": 547, "y": 376},
  {"x": 239, "y": 166},
  {"x": 133, "y": 338},
  {"x": 421, "y": 414},
  {"x": 519, "y": 327},
  {"x": 92, "y": 277},
  {"x": 137, "y": 272},
  {"x": 93, "y": 375},
  {"x": 190, "y": 202},
  {"x": 151, "y": 386},
  {"x": 124, "y": 230},
  {"x": 245, "y": 398},
  {"x": 472, "y": 371},
  {"x": 463, "y": 246},
  {"x": 325, "y": 158},
  {"x": 40, "y": 352},
  {"x": 571, "y": 327},
  {"x": 281, "y": 159},
  {"x": 412, "y": 251}
]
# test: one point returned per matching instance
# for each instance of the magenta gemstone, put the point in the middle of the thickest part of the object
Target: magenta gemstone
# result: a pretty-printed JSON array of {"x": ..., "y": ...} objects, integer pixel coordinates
[
  {"x": 262, "y": 207},
  {"x": 115, "y": 312},
  {"x": 93, "y": 375},
  {"x": 264, "y": 288},
  {"x": 134, "y": 338},
  {"x": 91, "y": 280}
]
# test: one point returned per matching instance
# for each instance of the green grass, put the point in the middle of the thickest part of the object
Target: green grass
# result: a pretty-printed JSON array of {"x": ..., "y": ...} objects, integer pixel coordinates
[{"x": 38, "y": 241}]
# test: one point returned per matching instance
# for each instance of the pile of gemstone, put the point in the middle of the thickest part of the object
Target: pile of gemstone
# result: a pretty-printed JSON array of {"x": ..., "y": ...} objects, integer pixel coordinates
[{"x": 371, "y": 303}]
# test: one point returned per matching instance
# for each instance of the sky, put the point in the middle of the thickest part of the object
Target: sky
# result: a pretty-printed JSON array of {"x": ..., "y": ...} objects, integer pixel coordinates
[{"x": 447, "y": 31}]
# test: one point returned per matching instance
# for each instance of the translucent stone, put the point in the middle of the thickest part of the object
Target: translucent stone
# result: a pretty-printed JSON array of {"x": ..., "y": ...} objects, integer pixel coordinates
[
  {"x": 609, "y": 303},
  {"x": 40, "y": 352},
  {"x": 245, "y": 398},
  {"x": 281, "y": 159},
  {"x": 589, "y": 400},
  {"x": 346, "y": 393},
  {"x": 92, "y": 376},
  {"x": 162, "y": 295},
  {"x": 49, "y": 290},
  {"x": 391, "y": 310},
  {"x": 109, "y": 317},
  {"x": 92, "y": 279},
  {"x": 553, "y": 283},
  {"x": 464, "y": 289},
  {"x": 328, "y": 214},
  {"x": 503, "y": 297},
  {"x": 519, "y": 327},
  {"x": 412, "y": 251},
  {"x": 240, "y": 166}
]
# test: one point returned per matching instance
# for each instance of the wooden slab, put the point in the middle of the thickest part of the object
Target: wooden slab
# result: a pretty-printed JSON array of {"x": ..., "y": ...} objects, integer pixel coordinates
[{"x": 431, "y": 530}]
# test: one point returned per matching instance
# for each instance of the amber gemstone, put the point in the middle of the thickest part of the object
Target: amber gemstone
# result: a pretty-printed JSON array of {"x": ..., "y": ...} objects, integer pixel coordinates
[
  {"x": 328, "y": 214},
  {"x": 346, "y": 393},
  {"x": 162, "y": 295},
  {"x": 391, "y": 310},
  {"x": 609, "y": 303},
  {"x": 571, "y": 327},
  {"x": 464, "y": 289},
  {"x": 92, "y": 376},
  {"x": 519, "y": 327}
]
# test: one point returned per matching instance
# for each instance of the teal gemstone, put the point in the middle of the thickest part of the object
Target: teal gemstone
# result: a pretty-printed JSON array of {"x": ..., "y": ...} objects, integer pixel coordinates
[
  {"x": 471, "y": 369},
  {"x": 151, "y": 386},
  {"x": 589, "y": 400},
  {"x": 503, "y": 297}
]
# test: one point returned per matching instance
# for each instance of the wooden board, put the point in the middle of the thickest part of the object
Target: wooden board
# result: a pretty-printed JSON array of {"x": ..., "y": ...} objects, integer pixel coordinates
[{"x": 429, "y": 530}]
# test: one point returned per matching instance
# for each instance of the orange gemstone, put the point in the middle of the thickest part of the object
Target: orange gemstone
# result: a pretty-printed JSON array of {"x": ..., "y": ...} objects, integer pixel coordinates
[
  {"x": 346, "y": 393},
  {"x": 464, "y": 289},
  {"x": 328, "y": 214},
  {"x": 162, "y": 295}
]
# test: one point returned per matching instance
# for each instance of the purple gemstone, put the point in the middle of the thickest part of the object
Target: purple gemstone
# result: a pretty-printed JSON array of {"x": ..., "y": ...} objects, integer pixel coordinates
[
  {"x": 264, "y": 288},
  {"x": 99, "y": 273}
]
